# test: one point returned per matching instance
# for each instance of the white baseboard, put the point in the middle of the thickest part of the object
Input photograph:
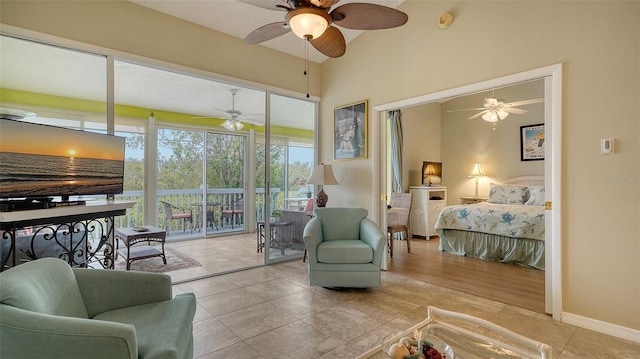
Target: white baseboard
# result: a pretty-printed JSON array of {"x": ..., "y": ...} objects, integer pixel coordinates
[{"x": 602, "y": 327}]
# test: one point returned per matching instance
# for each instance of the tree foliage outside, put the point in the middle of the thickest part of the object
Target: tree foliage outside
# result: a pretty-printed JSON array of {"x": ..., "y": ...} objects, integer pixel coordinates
[{"x": 180, "y": 154}]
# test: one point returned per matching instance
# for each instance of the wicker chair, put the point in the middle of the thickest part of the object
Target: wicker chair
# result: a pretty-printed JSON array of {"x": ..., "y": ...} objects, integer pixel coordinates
[
  {"x": 234, "y": 210},
  {"x": 398, "y": 220},
  {"x": 172, "y": 212}
]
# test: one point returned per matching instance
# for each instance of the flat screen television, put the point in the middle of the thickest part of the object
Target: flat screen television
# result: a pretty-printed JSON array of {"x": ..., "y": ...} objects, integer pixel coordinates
[
  {"x": 41, "y": 161},
  {"x": 431, "y": 173}
]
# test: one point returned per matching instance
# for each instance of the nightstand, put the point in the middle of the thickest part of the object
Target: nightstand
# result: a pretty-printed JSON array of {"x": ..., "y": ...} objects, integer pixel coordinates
[{"x": 472, "y": 200}]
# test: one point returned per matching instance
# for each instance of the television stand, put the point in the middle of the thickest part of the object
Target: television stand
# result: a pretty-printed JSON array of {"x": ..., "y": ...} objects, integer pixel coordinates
[{"x": 66, "y": 232}]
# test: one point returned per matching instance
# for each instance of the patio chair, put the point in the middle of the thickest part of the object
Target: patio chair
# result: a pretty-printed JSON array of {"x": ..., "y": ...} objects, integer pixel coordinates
[
  {"x": 398, "y": 219},
  {"x": 172, "y": 212},
  {"x": 235, "y": 208}
]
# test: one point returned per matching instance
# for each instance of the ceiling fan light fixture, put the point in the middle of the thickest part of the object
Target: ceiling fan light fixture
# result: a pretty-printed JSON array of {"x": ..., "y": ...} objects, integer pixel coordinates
[
  {"x": 490, "y": 116},
  {"x": 232, "y": 125},
  {"x": 307, "y": 22}
]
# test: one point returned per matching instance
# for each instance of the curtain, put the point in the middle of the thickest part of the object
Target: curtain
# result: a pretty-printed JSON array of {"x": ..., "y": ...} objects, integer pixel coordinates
[{"x": 395, "y": 133}]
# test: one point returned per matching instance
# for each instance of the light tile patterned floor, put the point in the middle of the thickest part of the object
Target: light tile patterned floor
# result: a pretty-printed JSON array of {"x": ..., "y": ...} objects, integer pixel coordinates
[{"x": 271, "y": 312}]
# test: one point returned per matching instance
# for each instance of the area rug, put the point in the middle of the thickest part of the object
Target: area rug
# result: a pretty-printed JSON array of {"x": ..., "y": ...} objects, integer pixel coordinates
[{"x": 175, "y": 261}]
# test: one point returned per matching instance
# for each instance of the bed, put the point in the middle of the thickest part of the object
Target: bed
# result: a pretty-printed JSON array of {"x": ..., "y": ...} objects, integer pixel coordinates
[{"x": 508, "y": 227}]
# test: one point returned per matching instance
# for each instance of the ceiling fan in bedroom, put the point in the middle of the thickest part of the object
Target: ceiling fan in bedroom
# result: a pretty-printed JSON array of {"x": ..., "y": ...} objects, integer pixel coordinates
[
  {"x": 234, "y": 117},
  {"x": 312, "y": 20},
  {"x": 497, "y": 109}
]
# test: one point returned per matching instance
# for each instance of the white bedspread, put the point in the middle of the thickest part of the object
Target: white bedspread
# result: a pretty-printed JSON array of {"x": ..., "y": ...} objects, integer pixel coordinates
[{"x": 510, "y": 220}]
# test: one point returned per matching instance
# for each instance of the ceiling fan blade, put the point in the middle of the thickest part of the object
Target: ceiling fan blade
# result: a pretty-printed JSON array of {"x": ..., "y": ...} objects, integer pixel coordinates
[
  {"x": 517, "y": 111},
  {"x": 468, "y": 109},
  {"x": 362, "y": 16},
  {"x": 280, "y": 5},
  {"x": 525, "y": 102},
  {"x": 331, "y": 43},
  {"x": 325, "y": 4},
  {"x": 267, "y": 32},
  {"x": 254, "y": 121},
  {"x": 478, "y": 114}
]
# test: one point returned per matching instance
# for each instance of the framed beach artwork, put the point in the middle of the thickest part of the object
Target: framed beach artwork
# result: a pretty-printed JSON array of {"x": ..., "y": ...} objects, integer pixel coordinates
[
  {"x": 350, "y": 131},
  {"x": 532, "y": 142}
]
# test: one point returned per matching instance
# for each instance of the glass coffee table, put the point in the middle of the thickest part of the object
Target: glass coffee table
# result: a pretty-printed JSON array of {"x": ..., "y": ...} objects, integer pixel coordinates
[{"x": 467, "y": 344}]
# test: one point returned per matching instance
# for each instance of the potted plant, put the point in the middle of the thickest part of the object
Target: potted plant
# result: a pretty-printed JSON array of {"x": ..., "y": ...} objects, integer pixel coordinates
[{"x": 275, "y": 215}]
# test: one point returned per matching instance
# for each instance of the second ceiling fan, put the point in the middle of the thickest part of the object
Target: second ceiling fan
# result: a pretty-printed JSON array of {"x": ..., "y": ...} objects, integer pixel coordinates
[
  {"x": 497, "y": 109},
  {"x": 313, "y": 19}
]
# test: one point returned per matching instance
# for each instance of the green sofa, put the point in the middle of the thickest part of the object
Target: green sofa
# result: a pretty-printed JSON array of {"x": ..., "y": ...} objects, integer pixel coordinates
[
  {"x": 345, "y": 248},
  {"x": 50, "y": 310}
]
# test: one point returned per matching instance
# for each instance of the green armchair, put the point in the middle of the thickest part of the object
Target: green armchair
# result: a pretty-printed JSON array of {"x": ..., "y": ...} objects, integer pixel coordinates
[
  {"x": 50, "y": 310},
  {"x": 345, "y": 248}
]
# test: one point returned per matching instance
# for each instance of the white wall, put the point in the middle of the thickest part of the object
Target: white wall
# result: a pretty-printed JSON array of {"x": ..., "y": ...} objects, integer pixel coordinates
[{"x": 599, "y": 46}]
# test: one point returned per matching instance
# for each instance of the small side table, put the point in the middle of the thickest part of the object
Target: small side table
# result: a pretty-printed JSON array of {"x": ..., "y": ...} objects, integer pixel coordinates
[
  {"x": 131, "y": 236},
  {"x": 472, "y": 200},
  {"x": 275, "y": 238}
]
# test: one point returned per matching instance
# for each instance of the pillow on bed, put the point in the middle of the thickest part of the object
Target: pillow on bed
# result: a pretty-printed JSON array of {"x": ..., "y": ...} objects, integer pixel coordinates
[
  {"x": 507, "y": 194},
  {"x": 536, "y": 196}
]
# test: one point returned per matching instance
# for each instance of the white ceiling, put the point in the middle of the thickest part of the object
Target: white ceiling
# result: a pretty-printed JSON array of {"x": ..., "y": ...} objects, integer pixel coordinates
[{"x": 238, "y": 19}]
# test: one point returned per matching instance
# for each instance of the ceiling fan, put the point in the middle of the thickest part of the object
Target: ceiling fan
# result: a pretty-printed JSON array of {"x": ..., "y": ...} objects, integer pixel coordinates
[
  {"x": 234, "y": 117},
  {"x": 497, "y": 109},
  {"x": 312, "y": 20}
]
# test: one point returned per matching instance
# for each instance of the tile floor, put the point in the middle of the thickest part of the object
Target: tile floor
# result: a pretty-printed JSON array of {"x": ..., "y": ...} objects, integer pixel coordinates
[{"x": 271, "y": 312}]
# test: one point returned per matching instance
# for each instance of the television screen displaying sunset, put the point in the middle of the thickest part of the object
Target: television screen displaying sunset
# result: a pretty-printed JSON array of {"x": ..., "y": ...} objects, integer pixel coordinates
[{"x": 40, "y": 161}]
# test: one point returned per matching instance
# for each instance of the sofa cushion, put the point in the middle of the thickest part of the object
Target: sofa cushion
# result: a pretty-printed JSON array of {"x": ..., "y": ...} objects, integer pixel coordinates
[
  {"x": 46, "y": 286},
  {"x": 344, "y": 251},
  {"x": 163, "y": 329},
  {"x": 340, "y": 223}
]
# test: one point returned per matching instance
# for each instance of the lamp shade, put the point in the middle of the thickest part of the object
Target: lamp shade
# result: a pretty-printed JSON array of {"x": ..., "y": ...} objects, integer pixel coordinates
[
  {"x": 477, "y": 170},
  {"x": 430, "y": 170},
  {"x": 308, "y": 22},
  {"x": 322, "y": 174}
]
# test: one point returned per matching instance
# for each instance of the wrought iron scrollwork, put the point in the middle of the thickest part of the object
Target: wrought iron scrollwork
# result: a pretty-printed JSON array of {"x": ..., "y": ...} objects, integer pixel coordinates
[{"x": 73, "y": 242}]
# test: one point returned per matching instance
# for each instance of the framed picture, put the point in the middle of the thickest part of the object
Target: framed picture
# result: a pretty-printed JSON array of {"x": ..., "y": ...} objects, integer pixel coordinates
[
  {"x": 532, "y": 142},
  {"x": 350, "y": 131}
]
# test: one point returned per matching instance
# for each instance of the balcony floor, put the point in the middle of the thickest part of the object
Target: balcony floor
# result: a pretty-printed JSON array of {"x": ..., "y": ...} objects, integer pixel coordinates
[{"x": 226, "y": 250}]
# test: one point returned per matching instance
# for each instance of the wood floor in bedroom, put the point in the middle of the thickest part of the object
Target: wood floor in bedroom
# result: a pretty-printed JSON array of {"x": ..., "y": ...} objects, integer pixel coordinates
[{"x": 507, "y": 283}]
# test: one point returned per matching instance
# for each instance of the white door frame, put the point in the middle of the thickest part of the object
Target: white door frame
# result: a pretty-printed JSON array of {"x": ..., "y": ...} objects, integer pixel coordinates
[{"x": 553, "y": 163}]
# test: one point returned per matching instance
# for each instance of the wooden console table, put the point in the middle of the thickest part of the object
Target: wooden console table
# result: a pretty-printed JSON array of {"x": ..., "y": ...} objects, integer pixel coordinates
[{"x": 62, "y": 232}]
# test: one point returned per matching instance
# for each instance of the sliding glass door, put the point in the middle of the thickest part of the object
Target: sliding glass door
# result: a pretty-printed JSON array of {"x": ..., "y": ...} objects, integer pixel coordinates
[
  {"x": 291, "y": 157},
  {"x": 225, "y": 186}
]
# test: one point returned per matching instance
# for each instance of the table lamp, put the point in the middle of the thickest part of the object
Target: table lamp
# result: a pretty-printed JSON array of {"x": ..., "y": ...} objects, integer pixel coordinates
[
  {"x": 477, "y": 172},
  {"x": 428, "y": 172},
  {"x": 322, "y": 175}
]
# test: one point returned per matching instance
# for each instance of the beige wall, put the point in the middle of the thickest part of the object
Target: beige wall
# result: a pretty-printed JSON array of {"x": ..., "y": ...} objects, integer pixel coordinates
[
  {"x": 421, "y": 133},
  {"x": 598, "y": 45},
  {"x": 497, "y": 148}
]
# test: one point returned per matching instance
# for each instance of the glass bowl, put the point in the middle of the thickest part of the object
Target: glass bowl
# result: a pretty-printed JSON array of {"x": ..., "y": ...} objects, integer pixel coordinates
[{"x": 440, "y": 345}]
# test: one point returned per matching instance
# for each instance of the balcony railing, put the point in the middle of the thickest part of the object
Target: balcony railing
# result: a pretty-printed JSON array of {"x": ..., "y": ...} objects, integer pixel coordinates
[{"x": 220, "y": 198}]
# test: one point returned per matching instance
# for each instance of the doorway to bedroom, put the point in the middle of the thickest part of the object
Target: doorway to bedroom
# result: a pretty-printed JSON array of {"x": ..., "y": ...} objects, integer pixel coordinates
[{"x": 498, "y": 151}]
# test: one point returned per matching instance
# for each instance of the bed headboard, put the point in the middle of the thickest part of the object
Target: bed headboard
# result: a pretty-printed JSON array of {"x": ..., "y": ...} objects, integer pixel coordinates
[{"x": 525, "y": 181}]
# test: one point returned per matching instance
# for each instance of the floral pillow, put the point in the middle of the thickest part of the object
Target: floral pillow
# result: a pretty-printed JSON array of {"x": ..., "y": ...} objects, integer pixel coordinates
[
  {"x": 536, "y": 196},
  {"x": 507, "y": 194}
]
